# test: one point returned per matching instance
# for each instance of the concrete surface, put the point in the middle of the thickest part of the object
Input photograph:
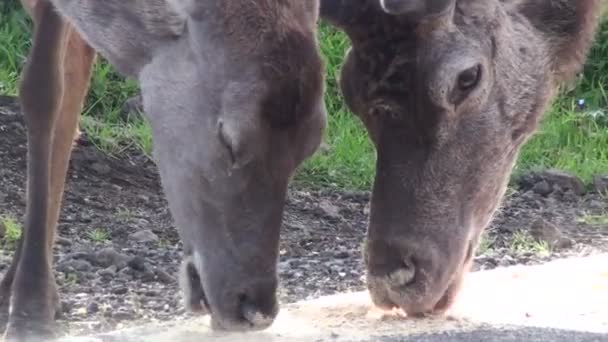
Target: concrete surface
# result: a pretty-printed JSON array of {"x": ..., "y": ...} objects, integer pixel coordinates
[{"x": 565, "y": 300}]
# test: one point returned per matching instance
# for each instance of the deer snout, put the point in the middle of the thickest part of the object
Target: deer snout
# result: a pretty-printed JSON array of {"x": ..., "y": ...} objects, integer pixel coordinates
[
  {"x": 403, "y": 274},
  {"x": 420, "y": 8}
]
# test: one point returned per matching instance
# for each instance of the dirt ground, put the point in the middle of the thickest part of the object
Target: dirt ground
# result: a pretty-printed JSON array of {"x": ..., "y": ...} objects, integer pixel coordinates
[{"x": 117, "y": 252}]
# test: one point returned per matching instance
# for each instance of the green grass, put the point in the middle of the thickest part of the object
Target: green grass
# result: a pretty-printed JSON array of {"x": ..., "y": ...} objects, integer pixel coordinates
[
  {"x": 595, "y": 220},
  {"x": 99, "y": 235},
  {"x": 523, "y": 243},
  {"x": 12, "y": 231},
  {"x": 486, "y": 244},
  {"x": 569, "y": 139}
]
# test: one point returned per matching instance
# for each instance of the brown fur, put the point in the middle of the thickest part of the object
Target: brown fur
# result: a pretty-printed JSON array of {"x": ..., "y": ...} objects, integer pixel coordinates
[{"x": 448, "y": 101}]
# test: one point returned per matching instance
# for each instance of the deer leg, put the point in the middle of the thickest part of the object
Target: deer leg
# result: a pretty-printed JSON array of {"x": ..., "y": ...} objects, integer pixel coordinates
[
  {"x": 77, "y": 67},
  {"x": 5, "y": 286},
  {"x": 33, "y": 297}
]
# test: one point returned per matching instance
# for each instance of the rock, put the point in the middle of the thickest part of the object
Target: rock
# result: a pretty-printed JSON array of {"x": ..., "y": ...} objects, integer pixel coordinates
[
  {"x": 71, "y": 265},
  {"x": 542, "y": 188},
  {"x": 148, "y": 275},
  {"x": 92, "y": 308},
  {"x": 596, "y": 205},
  {"x": 563, "y": 180},
  {"x": 81, "y": 312},
  {"x": 101, "y": 168},
  {"x": 600, "y": 184},
  {"x": 6, "y": 100},
  {"x": 144, "y": 236},
  {"x": 342, "y": 255},
  {"x": 123, "y": 315},
  {"x": 329, "y": 209},
  {"x": 61, "y": 241},
  {"x": 120, "y": 290},
  {"x": 109, "y": 256},
  {"x": 109, "y": 271},
  {"x": 164, "y": 277},
  {"x": 137, "y": 263},
  {"x": 544, "y": 231}
]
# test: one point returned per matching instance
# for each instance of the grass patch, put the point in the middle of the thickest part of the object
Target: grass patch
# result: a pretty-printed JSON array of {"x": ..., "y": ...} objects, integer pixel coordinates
[
  {"x": 570, "y": 139},
  {"x": 12, "y": 231},
  {"x": 124, "y": 214},
  {"x": 524, "y": 243},
  {"x": 595, "y": 220},
  {"x": 99, "y": 235},
  {"x": 486, "y": 244}
]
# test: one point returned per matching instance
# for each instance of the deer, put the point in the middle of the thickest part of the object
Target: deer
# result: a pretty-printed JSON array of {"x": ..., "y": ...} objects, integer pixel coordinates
[
  {"x": 449, "y": 91},
  {"x": 233, "y": 91}
]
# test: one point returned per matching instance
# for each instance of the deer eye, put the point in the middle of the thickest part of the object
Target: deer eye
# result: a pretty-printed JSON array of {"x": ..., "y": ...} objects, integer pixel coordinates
[{"x": 469, "y": 78}]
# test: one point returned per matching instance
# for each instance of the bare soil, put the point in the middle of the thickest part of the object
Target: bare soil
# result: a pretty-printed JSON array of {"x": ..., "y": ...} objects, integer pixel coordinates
[{"x": 117, "y": 252}]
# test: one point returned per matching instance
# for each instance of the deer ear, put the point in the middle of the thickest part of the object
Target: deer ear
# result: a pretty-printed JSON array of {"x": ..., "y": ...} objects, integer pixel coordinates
[
  {"x": 125, "y": 32},
  {"x": 569, "y": 26}
]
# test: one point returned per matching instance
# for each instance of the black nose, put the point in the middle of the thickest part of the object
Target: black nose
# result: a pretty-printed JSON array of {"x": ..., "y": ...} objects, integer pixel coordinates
[
  {"x": 258, "y": 305},
  {"x": 391, "y": 263},
  {"x": 254, "y": 307},
  {"x": 402, "y": 6},
  {"x": 415, "y": 7}
]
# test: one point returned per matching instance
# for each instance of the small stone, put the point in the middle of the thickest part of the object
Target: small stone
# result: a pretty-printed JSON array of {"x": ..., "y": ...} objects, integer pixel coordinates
[
  {"x": 109, "y": 256},
  {"x": 137, "y": 263},
  {"x": 81, "y": 312},
  {"x": 66, "y": 306},
  {"x": 120, "y": 290},
  {"x": 144, "y": 198},
  {"x": 564, "y": 180},
  {"x": 596, "y": 205},
  {"x": 542, "y": 188},
  {"x": 144, "y": 236},
  {"x": 329, "y": 209},
  {"x": 92, "y": 308},
  {"x": 108, "y": 272},
  {"x": 600, "y": 184},
  {"x": 63, "y": 241},
  {"x": 506, "y": 260},
  {"x": 148, "y": 276},
  {"x": 74, "y": 265},
  {"x": 101, "y": 168},
  {"x": 123, "y": 315},
  {"x": 164, "y": 277},
  {"x": 367, "y": 209},
  {"x": 544, "y": 231},
  {"x": 342, "y": 255}
]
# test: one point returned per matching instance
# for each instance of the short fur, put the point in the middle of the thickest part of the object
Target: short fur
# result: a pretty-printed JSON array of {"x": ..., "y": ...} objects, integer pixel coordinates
[
  {"x": 234, "y": 94},
  {"x": 448, "y": 101}
]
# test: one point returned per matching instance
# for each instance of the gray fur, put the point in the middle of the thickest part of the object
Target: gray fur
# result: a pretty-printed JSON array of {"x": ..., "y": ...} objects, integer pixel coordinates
[{"x": 234, "y": 93}]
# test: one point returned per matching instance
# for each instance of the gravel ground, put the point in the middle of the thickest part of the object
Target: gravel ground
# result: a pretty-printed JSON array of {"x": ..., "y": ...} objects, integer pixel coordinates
[{"x": 117, "y": 252}]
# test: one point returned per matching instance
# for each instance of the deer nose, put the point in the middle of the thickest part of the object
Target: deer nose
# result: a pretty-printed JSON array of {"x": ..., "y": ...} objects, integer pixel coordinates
[
  {"x": 256, "y": 307},
  {"x": 396, "y": 271},
  {"x": 415, "y": 7},
  {"x": 402, "y": 6}
]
